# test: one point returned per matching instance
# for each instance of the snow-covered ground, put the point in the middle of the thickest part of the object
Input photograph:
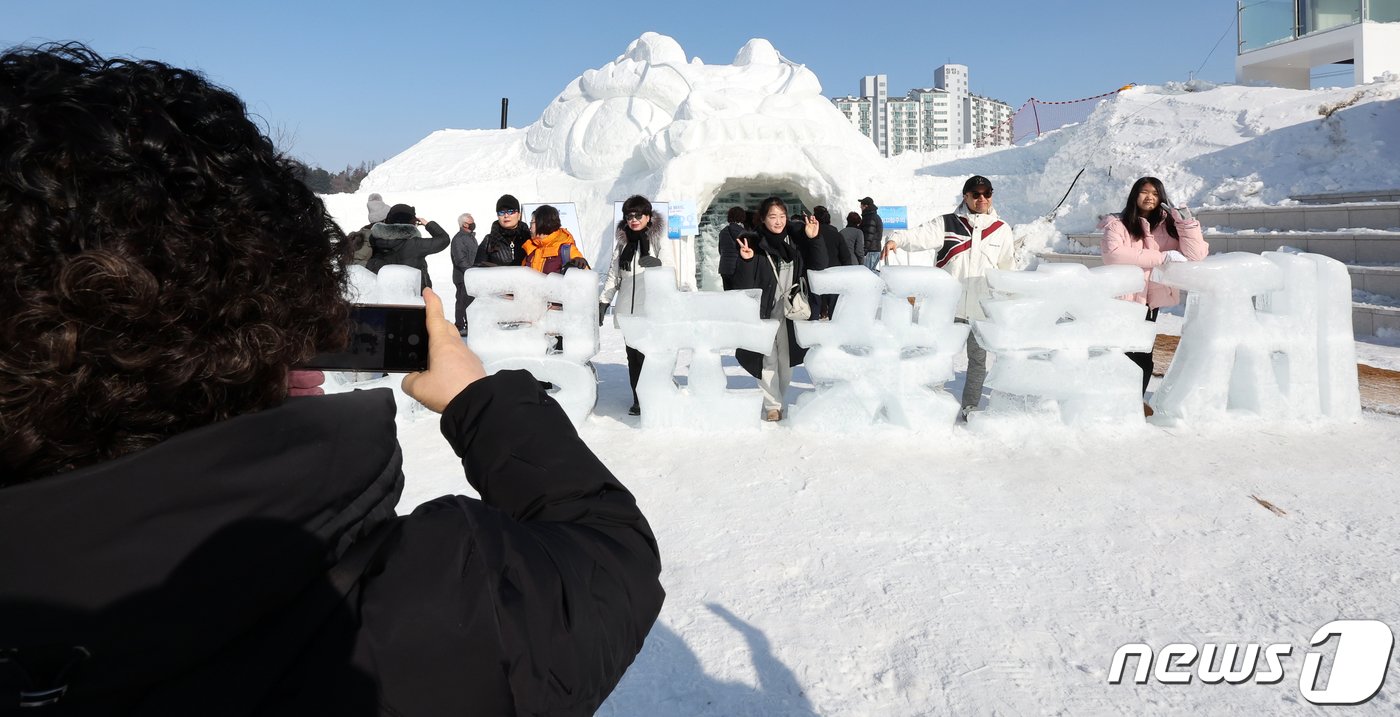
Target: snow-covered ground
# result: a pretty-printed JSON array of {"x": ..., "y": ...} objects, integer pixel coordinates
[
  {"x": 897, "y": 573},
  {"x": 887, "y": 572}
]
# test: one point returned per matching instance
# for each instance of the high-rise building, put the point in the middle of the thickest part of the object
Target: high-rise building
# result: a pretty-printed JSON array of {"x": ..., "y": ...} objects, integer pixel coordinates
[
  {"x": 876, "y": 87},
  {"x": 946, "y": 115}
]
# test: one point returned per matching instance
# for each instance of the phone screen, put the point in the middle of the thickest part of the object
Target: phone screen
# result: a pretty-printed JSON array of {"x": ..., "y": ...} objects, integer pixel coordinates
[{"x": 382, "y": 337}]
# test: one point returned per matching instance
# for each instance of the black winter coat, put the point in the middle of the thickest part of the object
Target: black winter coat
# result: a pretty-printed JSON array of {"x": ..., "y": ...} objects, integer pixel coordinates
[
  {"x": 729, "y": 250},
  {"x": 503, "y": 247},
  {"x": 874, "y": 228},
  {"x": 401, "y": 244},
  {"x": 256, "y": 566},
  {"x": 814, "y": 254},
  {"x": 757, "y": 273},
  {"x": 838, "y": 253}
]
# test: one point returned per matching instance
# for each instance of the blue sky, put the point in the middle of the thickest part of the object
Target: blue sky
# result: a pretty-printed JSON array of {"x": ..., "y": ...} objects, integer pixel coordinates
[{"x": 339, "y": 83}]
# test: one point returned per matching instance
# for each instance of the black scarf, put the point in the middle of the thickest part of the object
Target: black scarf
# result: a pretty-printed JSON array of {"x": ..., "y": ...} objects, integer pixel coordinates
[
  {"x": 777, "y": 245},
  {"x": 634, "y": 241}
]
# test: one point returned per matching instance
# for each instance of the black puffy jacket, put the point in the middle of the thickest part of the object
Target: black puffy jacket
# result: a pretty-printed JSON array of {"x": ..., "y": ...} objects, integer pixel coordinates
[
  {"x": 874, "y": 228},
  {"x": 256, "y": 566}
]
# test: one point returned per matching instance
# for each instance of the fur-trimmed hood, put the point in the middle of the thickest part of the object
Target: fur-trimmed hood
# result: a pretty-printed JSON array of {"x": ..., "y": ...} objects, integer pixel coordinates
[
  {"x": 391, "y": 236},
  {"x": 656, "y": 229}
]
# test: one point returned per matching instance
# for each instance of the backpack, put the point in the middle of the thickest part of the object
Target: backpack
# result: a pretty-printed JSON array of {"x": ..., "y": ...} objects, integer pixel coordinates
[{"x": 564, "y": 261}]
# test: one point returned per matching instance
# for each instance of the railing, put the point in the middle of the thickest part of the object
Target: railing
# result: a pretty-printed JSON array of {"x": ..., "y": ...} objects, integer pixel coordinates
[{"x": 1266, "y": 22}]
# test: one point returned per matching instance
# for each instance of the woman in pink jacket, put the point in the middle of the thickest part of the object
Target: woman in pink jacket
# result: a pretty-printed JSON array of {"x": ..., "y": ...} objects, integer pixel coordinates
[{"x": 1148, "y": 233}]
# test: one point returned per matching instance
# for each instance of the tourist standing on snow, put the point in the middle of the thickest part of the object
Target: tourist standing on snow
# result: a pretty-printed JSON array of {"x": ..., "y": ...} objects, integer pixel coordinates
[
  {"x": 854, "y": 237},
  {"x": 1148, "y": 233},
  {"x": 874, "y": 228},
  {"x": 503, "y": 245},
  {"x": 838, "y": 253},
  {"x": 463, "y": 258},
  {"x": 177, "y": 535},
  {"x": 970, "y": 241},
  {"x": 396, "y": 240},
  {"x": 359, "y": 239},
  {"x": 640, "y": 234},
  {"x": 551, "y": 250},
  {"x": 769, "y": 260},
  {"x": 729, "y": 245}
]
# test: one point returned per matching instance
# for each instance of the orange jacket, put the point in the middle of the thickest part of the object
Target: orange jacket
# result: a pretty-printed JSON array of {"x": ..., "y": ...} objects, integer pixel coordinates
[{"x": 550, "y": 254}]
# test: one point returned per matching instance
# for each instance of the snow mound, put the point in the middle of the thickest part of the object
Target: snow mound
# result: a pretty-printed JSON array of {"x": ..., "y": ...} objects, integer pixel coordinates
[{"x": 649, "y": 107}]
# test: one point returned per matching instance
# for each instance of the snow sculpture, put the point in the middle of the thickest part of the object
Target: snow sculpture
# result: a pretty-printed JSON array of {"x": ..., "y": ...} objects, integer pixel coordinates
[
  {"x": 1269, "y": 335},
  {"x": 704, "y": 323},
  {"x": 400, "y": 284},
  {"x": 362, "y": 285},
  {"x": 890, "y": 369},
  {"x": 516, "y": 316},
  {"x": 394, "y": 284},
  {"x": 1059, "y": 337},
  {"x": 650, "y": 106}
]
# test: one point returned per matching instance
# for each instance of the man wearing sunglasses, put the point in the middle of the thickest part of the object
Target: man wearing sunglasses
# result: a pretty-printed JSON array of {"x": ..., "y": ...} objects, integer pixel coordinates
[
  {"x": 969, "y": 241},
  {"x": 504, "y": 244}
]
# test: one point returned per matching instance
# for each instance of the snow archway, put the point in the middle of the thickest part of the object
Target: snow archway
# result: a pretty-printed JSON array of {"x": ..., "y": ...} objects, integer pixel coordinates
[{"x": 744, "y": 193}]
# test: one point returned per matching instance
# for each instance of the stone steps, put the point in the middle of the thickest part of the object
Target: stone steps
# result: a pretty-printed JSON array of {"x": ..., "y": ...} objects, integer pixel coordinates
[
  {"x": 1373, "y": 247},
  {"x": 1366, "y": 318},
  {"x": 1382, "y": 195},
  {"x": 1360, "y": 229},
  {"x": 1304, "y": 217}
]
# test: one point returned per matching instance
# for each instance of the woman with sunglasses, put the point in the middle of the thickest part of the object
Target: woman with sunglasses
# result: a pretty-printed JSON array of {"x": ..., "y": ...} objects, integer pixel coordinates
[
  {"x": 504, "y": 244},
  {"x": 637, "y": 244},
  {"x": 770, "y": 259},
  {"x": 1148, "y": 233}
]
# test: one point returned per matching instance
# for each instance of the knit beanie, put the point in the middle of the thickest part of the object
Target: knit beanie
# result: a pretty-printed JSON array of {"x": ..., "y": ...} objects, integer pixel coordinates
[
  {"x": 377, "y": 208},
  {"x": 507, "y": 202},
  {"x": 402, "y": 214}
]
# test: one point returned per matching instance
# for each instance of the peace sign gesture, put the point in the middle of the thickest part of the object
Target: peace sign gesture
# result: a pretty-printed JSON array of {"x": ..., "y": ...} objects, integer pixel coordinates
[{"x": 745, "y": 251}]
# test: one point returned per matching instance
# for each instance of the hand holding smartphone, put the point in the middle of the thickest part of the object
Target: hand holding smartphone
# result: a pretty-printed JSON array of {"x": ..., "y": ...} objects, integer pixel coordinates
[
  {"x": 381, "y": 338},
  {"x": 393, "y": 338},
  {"x": 454, "y": 366}
]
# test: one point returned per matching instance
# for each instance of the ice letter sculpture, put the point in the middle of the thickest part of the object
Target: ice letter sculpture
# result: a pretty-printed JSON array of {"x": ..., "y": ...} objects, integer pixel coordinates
[
  {"x": 892, "y": 369},
  {"x": 516, "y": 316},
  {"x": 394, "y": 284},
  {"x": 705, "y": 323},
  {"x": 1059, "y": 337},
  {"x": 1269, "y": 335}
]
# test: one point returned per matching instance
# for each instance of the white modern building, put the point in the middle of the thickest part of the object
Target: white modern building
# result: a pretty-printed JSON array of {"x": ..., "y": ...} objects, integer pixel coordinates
[
  {"x": 944, "y": 116},
  {"x": 1282, "y": 42},
  {"x": 876, "y": 87}
]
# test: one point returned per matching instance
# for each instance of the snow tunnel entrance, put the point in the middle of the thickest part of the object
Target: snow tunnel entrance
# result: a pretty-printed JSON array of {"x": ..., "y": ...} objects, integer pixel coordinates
[{"x": 715, "y": 217}]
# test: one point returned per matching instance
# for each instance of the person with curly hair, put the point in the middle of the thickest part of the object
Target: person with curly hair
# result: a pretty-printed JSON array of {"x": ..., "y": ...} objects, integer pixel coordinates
[{"x": 177, "y": 535}]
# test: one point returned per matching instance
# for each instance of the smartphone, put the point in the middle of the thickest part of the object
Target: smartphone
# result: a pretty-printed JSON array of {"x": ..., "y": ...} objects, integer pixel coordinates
[{"x": 380, "y": 337}]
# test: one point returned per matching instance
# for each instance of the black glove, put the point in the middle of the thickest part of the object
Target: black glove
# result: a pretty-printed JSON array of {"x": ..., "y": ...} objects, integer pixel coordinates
[{"x": 602, "y": 311}]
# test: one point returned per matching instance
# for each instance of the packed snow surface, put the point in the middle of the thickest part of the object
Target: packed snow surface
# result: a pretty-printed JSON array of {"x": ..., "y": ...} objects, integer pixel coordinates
[{"x": 894, "y": 572}]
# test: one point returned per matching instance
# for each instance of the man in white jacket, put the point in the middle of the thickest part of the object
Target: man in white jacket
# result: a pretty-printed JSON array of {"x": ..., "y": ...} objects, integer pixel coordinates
[{"x": 969, "y": 241}]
